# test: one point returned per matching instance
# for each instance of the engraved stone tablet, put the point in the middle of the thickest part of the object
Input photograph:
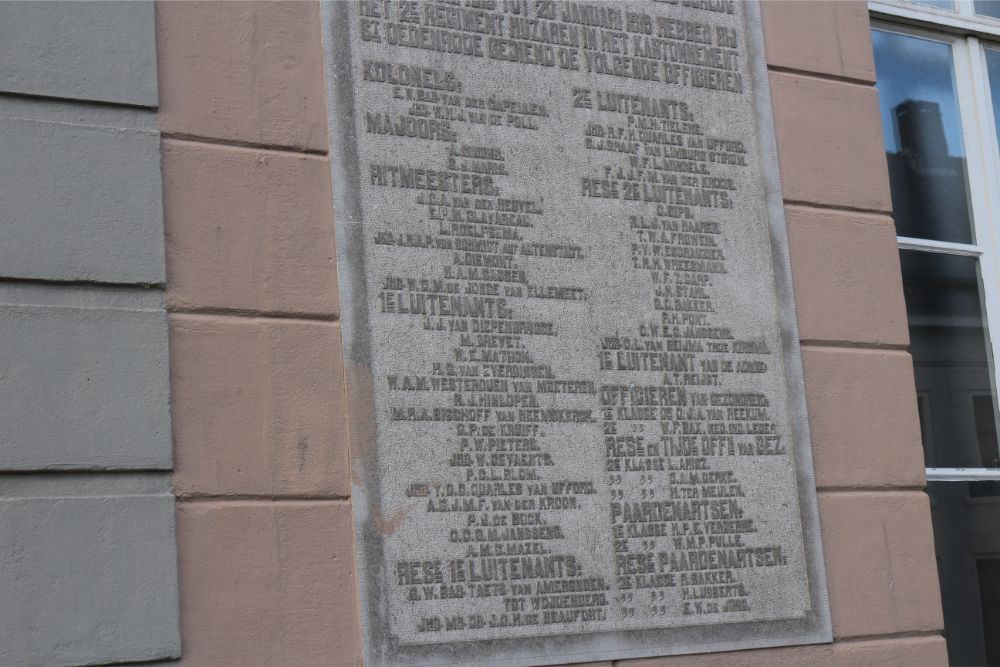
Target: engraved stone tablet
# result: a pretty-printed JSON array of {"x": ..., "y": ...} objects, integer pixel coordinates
[{"x": 577, "y": 418}]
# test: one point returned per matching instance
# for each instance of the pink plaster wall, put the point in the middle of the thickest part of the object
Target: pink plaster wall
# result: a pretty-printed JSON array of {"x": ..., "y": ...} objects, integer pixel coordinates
[
  {"x": 263, "y": 498},
  {"x": 264, "y": 524}
]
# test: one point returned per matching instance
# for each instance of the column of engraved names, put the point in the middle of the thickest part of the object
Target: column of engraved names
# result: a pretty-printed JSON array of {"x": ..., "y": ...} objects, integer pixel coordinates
[
  {"x": 507, "y": 564},
  {"x": 681, "y": 531}
]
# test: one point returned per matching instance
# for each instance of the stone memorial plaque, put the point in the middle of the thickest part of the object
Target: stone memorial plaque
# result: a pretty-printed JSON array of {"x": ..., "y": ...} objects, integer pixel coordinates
[{"x": 577, "y": 418}]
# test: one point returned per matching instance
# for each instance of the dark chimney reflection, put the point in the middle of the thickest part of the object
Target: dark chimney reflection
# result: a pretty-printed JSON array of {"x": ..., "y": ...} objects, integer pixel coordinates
[{"x": 929, "y": 186}]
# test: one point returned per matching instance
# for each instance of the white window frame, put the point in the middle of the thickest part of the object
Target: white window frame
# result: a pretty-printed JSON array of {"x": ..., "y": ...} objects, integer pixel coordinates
[{"x": 969, "y": 35}]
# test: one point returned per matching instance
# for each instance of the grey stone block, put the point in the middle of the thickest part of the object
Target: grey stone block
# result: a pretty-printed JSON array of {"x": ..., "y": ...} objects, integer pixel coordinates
[
  {"x": 87, "y": 579},
  {"x": 81, "y": 199},
  {"x": 83, "y": 380},
  {"x": 102, "y": 51}
]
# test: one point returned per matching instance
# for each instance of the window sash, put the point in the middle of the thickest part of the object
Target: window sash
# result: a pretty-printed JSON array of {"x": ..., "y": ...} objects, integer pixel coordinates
[
  {"x": 941, "y": 247},
  {"x": 962, "y": 474},
  {"x": 963, "y": 20},
  {"x": 963, "y": 29}
]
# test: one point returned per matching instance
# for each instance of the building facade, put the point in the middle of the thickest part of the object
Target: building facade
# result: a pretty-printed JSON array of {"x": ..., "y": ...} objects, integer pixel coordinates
[{"x": 175, "y": 482}]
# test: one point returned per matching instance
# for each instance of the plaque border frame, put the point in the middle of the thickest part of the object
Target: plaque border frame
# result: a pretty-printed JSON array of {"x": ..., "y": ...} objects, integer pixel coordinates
[{"x": 378, "y": 647}]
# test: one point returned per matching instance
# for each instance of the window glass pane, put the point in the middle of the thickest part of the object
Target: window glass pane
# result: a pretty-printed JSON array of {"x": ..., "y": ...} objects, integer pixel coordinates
[
  {"x": 942, "y": 4},
  {"x": 967, "y": 541},
  {"x": 988, "y": 8},
  {"x": 988, "y": 574},
  {"x": 951, "y": 361},
  {"x": 923, "y": 137},
  {"x": 993, "y": 68}
]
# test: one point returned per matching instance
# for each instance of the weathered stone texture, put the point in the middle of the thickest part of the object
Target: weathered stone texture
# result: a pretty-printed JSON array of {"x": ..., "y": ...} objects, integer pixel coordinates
[
  {"x": 847, "y": 282},
  {"x": 100, "y": 51},
  {"x": 864, "y": 417},
  {"x": 258, "y": 407},
  {"x": 830, "y": 143},
  {"x": 81, "y": 197},
  {"x": 87, "y": 580},
  {"x": 267, "y": 584},
  {"x": 248, "y": 230},
  {"x": 903, "y": 652},
  {"x": 86, "y": 388},
  {"x": 242, "y": 71},
  {"x": 880, "y": 560},
  {"x": 821, "y": 36}
]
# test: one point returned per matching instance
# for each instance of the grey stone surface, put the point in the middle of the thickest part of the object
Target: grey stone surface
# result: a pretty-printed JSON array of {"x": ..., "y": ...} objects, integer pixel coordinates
[
  {"x": 83, "y": 379},
  {"x": 81, "y": 193},
  {"x": 83, "y": 483},
  {"x": 86, "y": 579},
  {"x": 81, "y": 295},
  {"x": 87, "y": 557},
  {"x": 72, "y": 112},
  {"x": 101, "y": 51},
  {"x": 578, "y": 422}
]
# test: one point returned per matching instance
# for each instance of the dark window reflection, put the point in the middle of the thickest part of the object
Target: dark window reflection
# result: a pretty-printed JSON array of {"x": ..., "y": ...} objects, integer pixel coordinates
[
  {"x": 986, "y": 429},
  {"x": 986, "y": 434},
  {"x": 988, "y": 573},
  {"x": 951, "y": 361},
  {"x": 967, "y": 540},
  {"x": 923, "y": 137}
]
